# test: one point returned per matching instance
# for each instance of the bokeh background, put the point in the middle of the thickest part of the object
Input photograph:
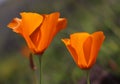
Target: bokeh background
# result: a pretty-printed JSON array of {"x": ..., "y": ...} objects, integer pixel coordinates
[{"x": 58, "y": 66}]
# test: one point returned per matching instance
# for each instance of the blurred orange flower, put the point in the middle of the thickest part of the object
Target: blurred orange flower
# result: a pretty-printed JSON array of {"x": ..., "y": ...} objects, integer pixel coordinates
[
  {"x": 38, "y": 30},
  {"x": 84, "y": 47},
  {"x": 25, "y": 51}
]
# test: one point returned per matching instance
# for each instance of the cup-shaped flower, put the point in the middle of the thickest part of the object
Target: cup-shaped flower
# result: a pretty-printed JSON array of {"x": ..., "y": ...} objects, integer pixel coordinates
[
  {"x": 84, "y": 47},
  {"x": 38, "y": 29}
]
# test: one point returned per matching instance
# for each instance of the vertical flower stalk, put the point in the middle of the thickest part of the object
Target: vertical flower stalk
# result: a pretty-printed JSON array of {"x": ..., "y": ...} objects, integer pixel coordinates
[
  {"x": 88, "y": 76},
  {"x": 38, "y": 30},
  {"x": 84, "y": 48}
]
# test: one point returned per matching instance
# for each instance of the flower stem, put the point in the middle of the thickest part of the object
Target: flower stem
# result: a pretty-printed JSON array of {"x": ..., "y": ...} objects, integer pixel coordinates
[
  {"x": 88, "y": 76},
  {"x": 40, "y": 69}
]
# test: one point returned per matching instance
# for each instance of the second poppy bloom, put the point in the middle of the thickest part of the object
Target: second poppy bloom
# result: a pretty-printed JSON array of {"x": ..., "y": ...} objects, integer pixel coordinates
[
  {"x": 84, "y": 47},
  {"x": 38, "y": 30}
]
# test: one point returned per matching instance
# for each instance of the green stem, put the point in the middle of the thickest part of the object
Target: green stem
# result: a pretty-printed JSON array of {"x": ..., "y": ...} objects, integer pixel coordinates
[
  {"x": 88, "y": 77},
  {"x": 40, "y": 68}
]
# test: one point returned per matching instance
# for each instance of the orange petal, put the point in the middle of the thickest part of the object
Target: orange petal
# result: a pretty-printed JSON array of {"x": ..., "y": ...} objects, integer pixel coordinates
[
  {"x": 36, "y": 36},
  {"x": 47, "y": 30},
  {"x": 98, "y": 38},
  {"x": 15, "y": 25},
  {"x": 31, "y": 21},
  {"x": 71, "y": 50},
  {"x": 77, "y": 41},
  {"x": 62, "y": 23},
  {"x": 30, "y": 43},
  {"x": 87, "y": 45}
]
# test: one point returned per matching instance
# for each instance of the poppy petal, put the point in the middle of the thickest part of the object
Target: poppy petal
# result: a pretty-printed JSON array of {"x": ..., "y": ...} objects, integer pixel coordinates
[
  {"x": 62, "y": 22},
  {"x": 77, "y": 41},
  {"x": 30, "y": 43},
  {"x": 87, "y": 45},
  {"x": 31, "y": 21},
  {"x": 15, "y": 25},
  {"x": 71, "y": 50},
  {"x": 47, "y": 30},
  {"x": 98, "y": 38},
  {"x": 36, "y": 36}
]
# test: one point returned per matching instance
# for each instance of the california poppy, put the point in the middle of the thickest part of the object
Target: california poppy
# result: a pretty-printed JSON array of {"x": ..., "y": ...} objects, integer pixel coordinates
[
  {"x": 84, "y": 47},
  {"x": 38, "y": 30}
]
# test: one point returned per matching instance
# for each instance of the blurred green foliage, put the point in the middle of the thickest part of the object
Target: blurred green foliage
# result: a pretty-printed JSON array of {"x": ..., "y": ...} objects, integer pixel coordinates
[{"x": 58, "y": 66}]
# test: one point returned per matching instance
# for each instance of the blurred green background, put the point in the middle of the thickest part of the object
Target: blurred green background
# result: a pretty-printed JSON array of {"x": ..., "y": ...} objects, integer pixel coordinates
[{"x": 58, "y": 66}]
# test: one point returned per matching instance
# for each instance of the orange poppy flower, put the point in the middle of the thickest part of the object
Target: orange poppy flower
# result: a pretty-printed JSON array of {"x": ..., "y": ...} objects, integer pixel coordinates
[
  {"x": 84, "y": 47},
  {"x": 38, "y": 30}
]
